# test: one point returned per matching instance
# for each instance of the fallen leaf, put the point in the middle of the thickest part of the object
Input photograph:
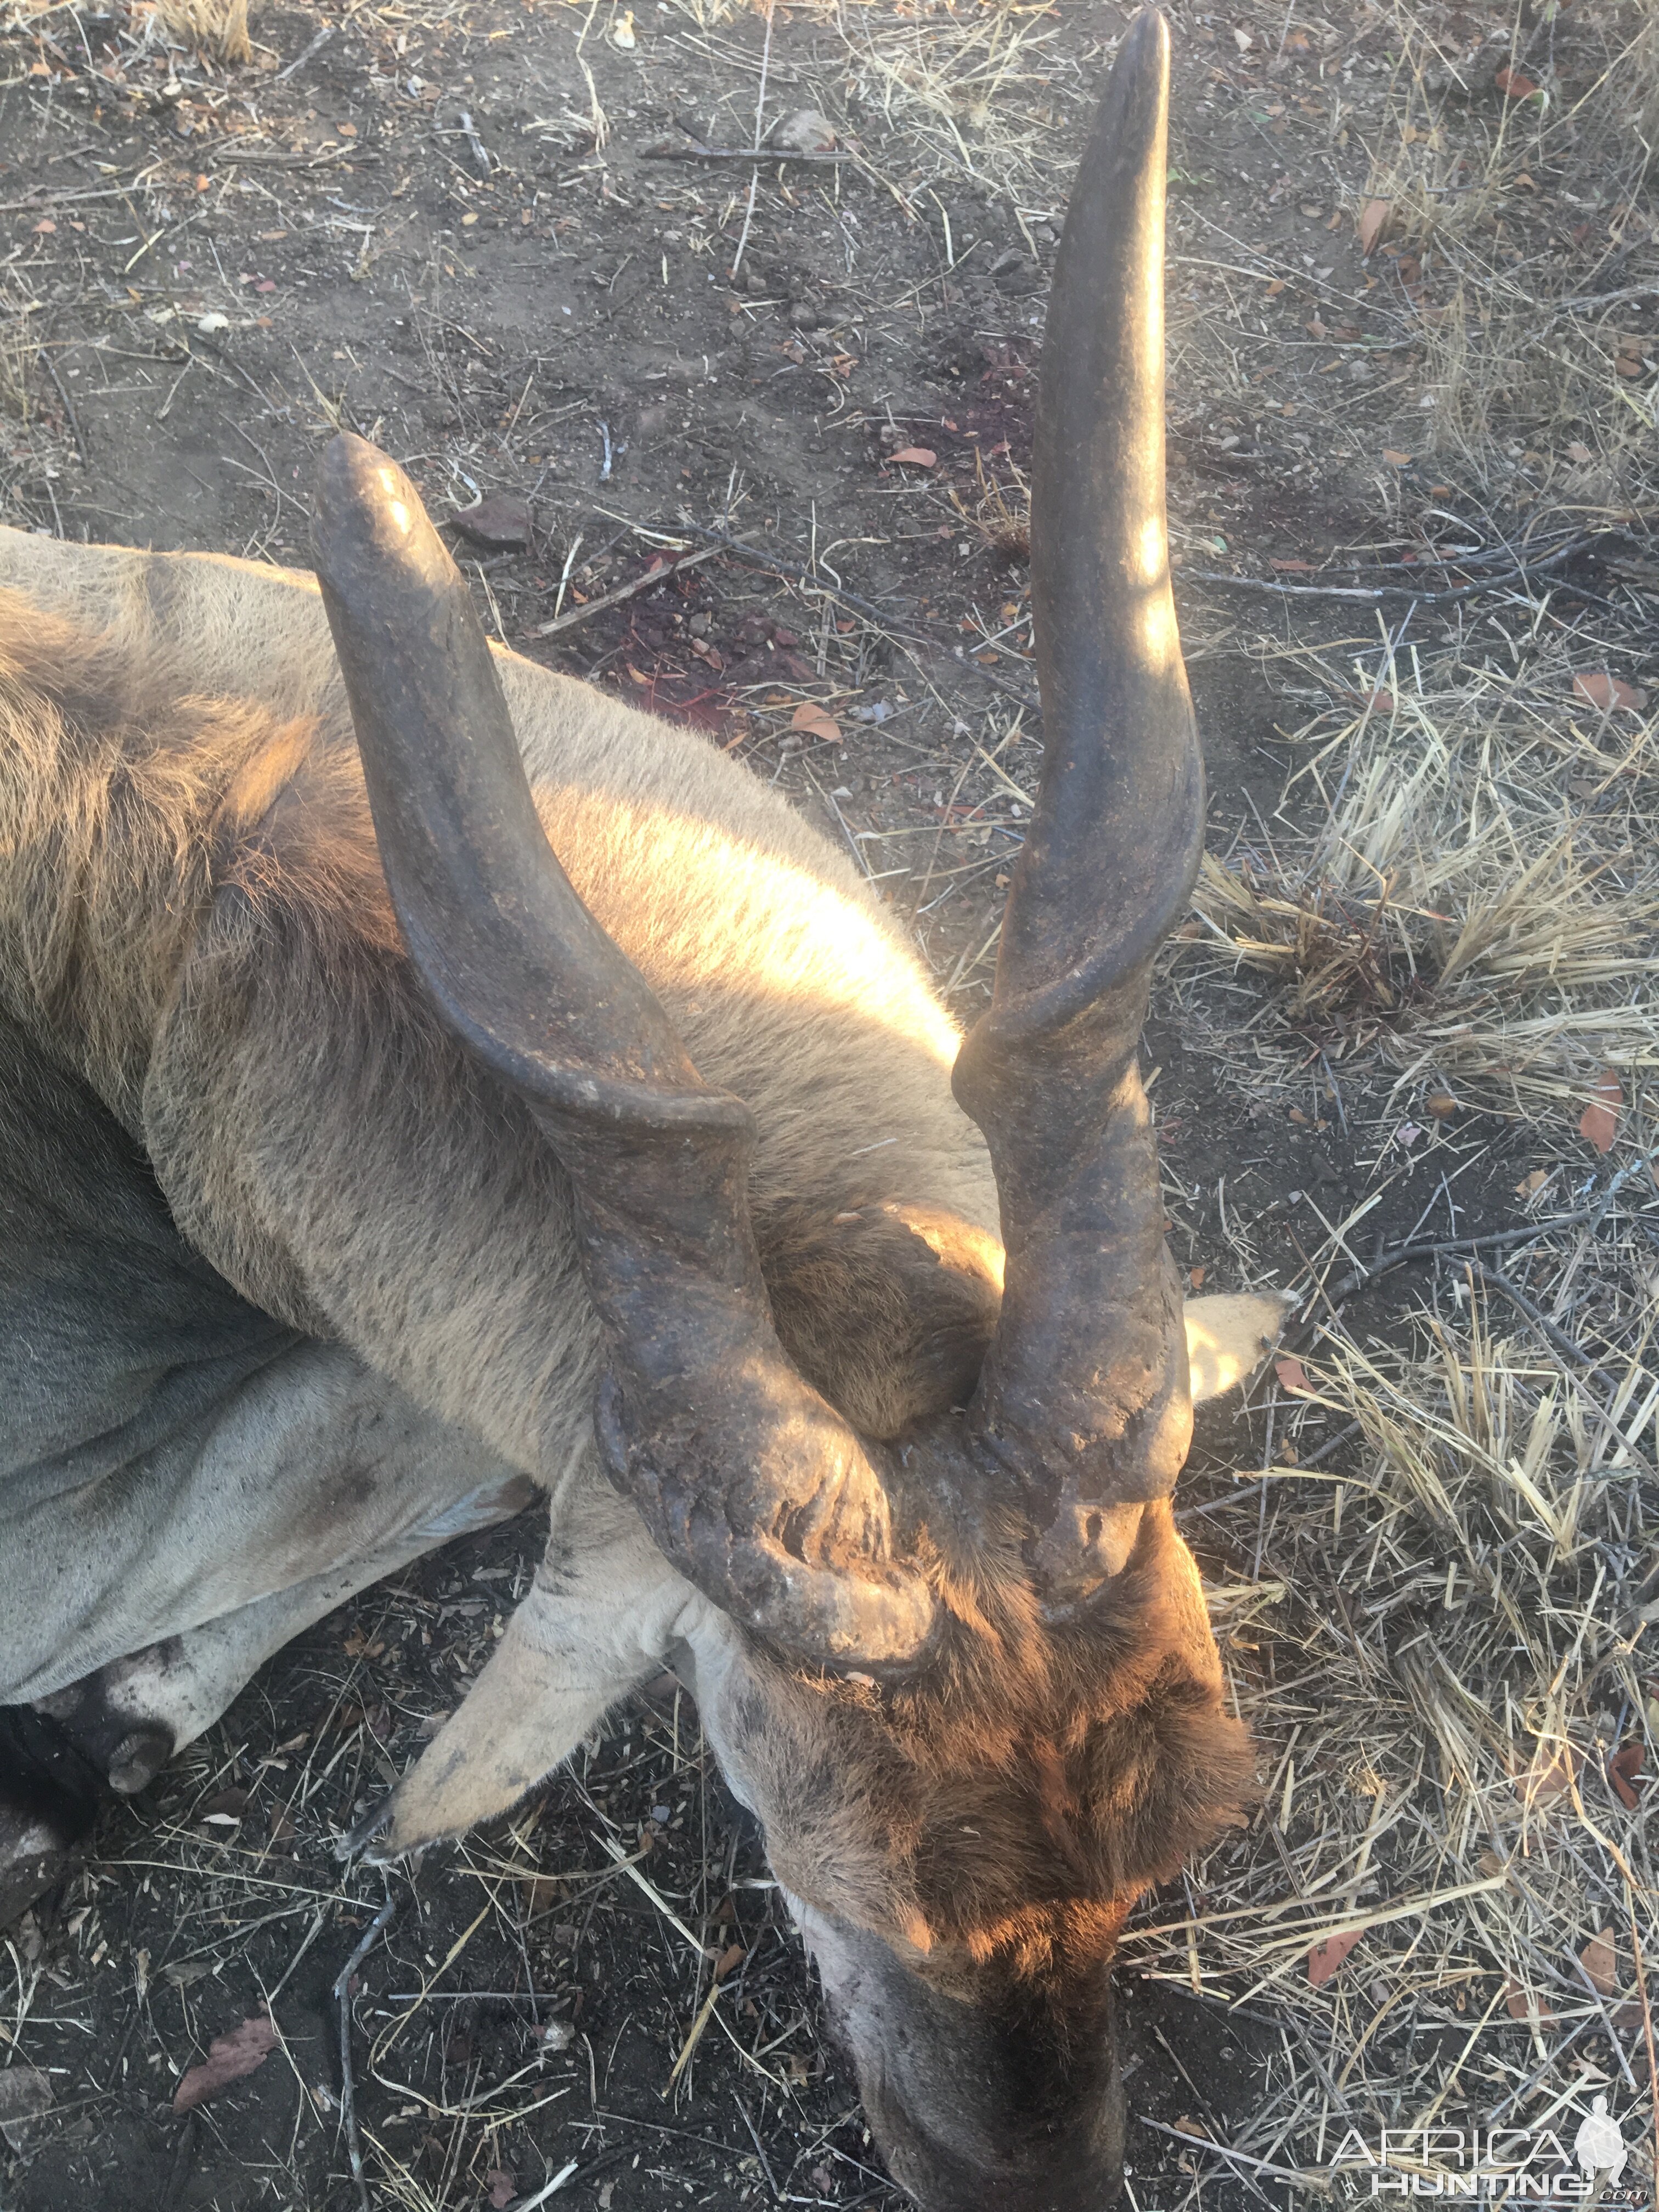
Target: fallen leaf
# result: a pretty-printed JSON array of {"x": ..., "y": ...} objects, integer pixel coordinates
[
  {"x": 1291, "y": 1374},
  {"x": 1598, "y": 1125},
  {"x": 1373, "y": 221},
  {"x": 1606, "y": 692},
  {"x": 1242, "y": 39},
  {"x": 817, "y": 723},
  {"x": 1314, "y": 327},
  {"x": 25, "y": 2097},
  {"x": 1514, "y": 86},
  {"x": 1188, "y": 2126},
  {"x": 1623, "y": 1768},
  {"x": 25, "y": 2091},
  {"x": 44, "y": 227},
  {"x": 1550, "y": 1775},
  {"x": 621, "y": 33},
  {"x": 227, "y": 1808},
  {"x": 1599, "y": 1961},
  {"x": 230, "y": 2058},
  {"x": 1529, "y": 1186},
  {"x": 918, "y": 457},
  {"x": 503, "y": 2186},
  {"x": 1275, "y": 288},
  {"x": 1325, "y": 1958},
  {"x": 1579, "y": 452},
  {"x": 1195, "y": 1277},
  {"x": 1394, "y": 458},
  {"x": 499, "y": 521},
  {"x": 1522, "y": 2003},
  {"x": 731, "y": 1958},
  {"x": 1294, "y": 567}
]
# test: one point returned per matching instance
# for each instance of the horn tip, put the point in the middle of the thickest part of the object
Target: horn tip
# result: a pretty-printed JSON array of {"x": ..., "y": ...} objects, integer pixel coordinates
[{"x": 363, "y": 500}]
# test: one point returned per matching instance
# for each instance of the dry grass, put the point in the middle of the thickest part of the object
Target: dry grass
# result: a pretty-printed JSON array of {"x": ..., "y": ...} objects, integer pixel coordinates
[
  {"x": 215, "y": 28},
  {"x": 1439, "y": 1642},
  {"x": 1517, "y": 231},
  {"x": 1461, "y": 882},
  {"x": 970, "y": 91}
]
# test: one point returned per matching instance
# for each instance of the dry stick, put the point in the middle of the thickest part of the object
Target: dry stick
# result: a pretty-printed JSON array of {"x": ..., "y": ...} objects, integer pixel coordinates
[
  {"x": 762, "y": 154},
  {"x": 754, "y": 176},
  {"x": 301, "y": 58},
  {"x": 1570, "y": 1351},
  {"x": 70, "y": 415},
  {"x": 1425, "y": 1247},
  {"x": 1370, "y": 594},
  {"x": 372, "y": 1935},
  {"x": 659, "y": 574},
  {"x": 1647, "y": 2016},
  {"x": 1308, "y": 2179}
]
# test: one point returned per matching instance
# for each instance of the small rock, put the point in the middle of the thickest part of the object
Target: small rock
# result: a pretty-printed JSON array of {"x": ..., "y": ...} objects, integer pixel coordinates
[
  {"x": 1015, "y": 273},
  {"x": 500, "y": 522},
  {"x": 805, "y": 318},
  {"x": 755, "y": 285},
  {"x": 806, "y": 132},
  {"x": 698, "y": 625}
]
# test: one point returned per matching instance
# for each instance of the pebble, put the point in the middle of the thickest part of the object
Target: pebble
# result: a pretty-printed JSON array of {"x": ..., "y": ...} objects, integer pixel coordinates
[
  {"x": 806, "y": 132},
  {"x": 500, "y": 522}
]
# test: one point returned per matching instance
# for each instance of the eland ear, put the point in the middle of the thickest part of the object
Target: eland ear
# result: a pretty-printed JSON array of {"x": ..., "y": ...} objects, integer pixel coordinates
[{"x": 1228, "y": 1337}]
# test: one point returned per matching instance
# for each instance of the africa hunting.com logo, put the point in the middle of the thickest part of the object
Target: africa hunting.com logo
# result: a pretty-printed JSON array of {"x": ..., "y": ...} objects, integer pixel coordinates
[{"x": 1498, "y": 2164}]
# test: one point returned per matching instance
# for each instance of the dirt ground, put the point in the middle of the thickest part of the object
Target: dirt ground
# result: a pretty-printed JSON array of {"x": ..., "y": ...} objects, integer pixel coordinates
[{"x": 1414, "y": 285}]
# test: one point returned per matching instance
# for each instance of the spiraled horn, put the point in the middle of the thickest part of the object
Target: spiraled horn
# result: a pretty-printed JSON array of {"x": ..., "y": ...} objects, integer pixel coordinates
[
  {"x": 753, "y": 1486},
  {"x": 1083, "y": 1395}
]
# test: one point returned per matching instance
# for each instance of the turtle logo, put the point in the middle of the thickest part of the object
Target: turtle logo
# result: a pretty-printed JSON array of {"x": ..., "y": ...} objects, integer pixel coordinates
[{"x": 1598, "y": 2146}]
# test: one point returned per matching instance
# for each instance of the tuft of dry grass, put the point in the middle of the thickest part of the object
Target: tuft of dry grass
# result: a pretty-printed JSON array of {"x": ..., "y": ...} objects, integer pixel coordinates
[
  {"x": 1438, "y": 1643},
  {"x": 969, "y": 91},
  {"x": 1000, "y": 514},
  {"x": 215, "y": 28},
  {"x": 1474, "y": 892},
  {"x": 1516, "y": 229}
]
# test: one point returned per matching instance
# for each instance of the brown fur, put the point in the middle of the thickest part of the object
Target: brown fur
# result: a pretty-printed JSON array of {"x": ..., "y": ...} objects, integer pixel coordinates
[
  {"x": 191, "y": 898},
  {"x": 1030, "y": 1785},
  {"x": 194, "y": 921}
]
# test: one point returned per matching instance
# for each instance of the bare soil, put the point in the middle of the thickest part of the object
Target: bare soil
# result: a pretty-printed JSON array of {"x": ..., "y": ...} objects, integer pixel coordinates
[{"x": 447, "y": 227}]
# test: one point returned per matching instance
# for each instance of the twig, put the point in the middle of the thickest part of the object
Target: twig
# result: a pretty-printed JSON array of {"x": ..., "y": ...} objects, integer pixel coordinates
[
  {"x": 1369, "y": 594},
  {"x": 548, "y": 2188},
  {"x": 371, "y": 1936},
  {"x": 659, "y": 574},
  {"x": 1426, "y": 1247},
  {"x": 1647, "y": 2013},
  {"x": 1573, "y": 1353},
  {"x": 754, "y": 174},
  {"x": 1307, "y": 2179},
  {"x": 325, "y": 157},
  {"x": 302, "y": 57},
  {"x": 760, "y": 2147},
  {"x": 69, "y": 415},
  {"x": 764, "y": 155}
]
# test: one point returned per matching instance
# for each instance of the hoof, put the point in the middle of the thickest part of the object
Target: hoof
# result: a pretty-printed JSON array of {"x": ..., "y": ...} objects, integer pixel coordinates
[
  {"x": 33, "y": 1860},
  {"x": 49, "y": 1799}
]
